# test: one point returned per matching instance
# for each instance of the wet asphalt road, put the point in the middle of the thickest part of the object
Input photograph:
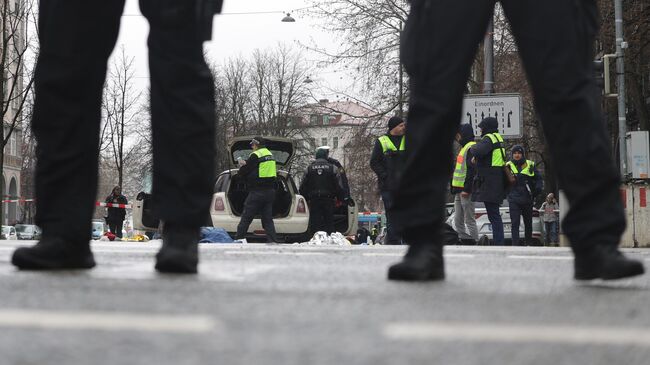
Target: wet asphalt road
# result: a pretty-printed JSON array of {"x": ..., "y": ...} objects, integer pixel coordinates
[{"x": 288, "y": 304}]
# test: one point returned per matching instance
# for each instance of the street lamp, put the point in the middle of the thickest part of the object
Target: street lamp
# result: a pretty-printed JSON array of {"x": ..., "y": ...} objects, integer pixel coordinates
[{"x": 288, "y": 19}]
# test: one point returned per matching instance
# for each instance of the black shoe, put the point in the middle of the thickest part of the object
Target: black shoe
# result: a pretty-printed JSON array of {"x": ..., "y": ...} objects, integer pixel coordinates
[
  {"x": 422, "y": 262},
  {"x": 180, "y": 250},
  {"x": 484, "y": 241},
  {"x": 605, "y": 262},
  {"x": 54, "y": 254}
]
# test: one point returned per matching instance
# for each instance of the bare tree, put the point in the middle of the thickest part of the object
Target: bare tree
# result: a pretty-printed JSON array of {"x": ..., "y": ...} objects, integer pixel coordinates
[
  {"x": 121, "y": 107},
  {"x": 17, "y": 78}
]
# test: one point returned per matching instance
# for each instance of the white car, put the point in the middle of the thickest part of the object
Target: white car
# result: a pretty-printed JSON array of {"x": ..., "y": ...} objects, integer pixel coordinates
[
  {"x": 9, "y": 233},
  {"x": 290, "y": 210}
]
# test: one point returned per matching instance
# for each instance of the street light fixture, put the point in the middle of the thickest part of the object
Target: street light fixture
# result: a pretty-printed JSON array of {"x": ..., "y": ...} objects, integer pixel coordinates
[{"x": 288, "y": 19}]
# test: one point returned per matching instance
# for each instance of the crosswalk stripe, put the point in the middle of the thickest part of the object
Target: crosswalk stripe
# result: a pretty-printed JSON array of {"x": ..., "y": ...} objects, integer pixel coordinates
[
  {"x": 531, "y": 257},
  {"x": 106, "y": 321},
  {"x": 507, "y": 333}
]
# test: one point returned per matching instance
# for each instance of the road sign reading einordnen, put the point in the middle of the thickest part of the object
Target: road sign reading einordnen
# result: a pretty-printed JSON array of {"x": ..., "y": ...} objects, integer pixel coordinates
[{"x": 506, "y": 108}]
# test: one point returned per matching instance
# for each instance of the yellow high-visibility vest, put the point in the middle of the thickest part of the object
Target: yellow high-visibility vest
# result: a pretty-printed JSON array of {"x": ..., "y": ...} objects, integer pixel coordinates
[
  {"x": 267, "y": 166},
  {"x": 499, "y": 152},
  {"x": 388, "y": 146},
  {"x": 460, "y": 172}
]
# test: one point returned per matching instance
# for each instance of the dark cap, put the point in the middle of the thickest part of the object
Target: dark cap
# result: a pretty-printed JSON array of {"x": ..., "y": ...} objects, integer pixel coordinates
[
  {"x": 394, "y": 122},
  {"x": 489, "y": 125}
]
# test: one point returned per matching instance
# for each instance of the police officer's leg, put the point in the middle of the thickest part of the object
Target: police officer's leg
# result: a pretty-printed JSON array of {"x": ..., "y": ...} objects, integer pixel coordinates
[
  {"x": 391, "y": 237},
  {"x": 459, "y": 218},
  {"x": 527, "y": 214},
  {"x": 328, "y": 215},
  {"x": 316, "y": 214},
  {"x": 494, "y": 216},
  {"x": 437, "y": 49},
  {"x": 470, "y": 217},
  {"x": 76, "y": 39},
  {"x": 555, "y": 41},
  {"x": 267, "y": 215},
  {"x": 183, "y": 123},
  {"x": 252, "y": 207},
  {"x": 515, "y": 216}
]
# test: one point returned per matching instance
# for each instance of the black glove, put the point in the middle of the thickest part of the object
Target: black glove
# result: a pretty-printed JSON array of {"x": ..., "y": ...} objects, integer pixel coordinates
[{"x": 349, "y": 201}]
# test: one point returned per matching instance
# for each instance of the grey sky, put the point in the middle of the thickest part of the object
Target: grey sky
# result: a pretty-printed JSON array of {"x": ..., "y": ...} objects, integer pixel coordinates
[{"x": 239, "y": 34}]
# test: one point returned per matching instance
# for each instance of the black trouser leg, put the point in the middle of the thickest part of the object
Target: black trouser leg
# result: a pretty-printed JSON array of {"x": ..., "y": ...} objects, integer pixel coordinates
[
  {"x": 76, "y": 39},
  {"x": 322, "y": 212},
  {"x": 391, "y": 237},
  {"x": 182, "y": 113},
  {"x": 555, "y": 41},
  {"x": 515, "y": 217},
  {"x": 438, "y": 47},
  {"x": 252, "y": 205},
  {"x": 527, "y": 214},
  {"x": 267, "y": 215}
]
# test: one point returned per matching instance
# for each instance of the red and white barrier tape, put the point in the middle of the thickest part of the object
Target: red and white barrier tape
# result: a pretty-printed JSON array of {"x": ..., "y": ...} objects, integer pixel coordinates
[
  {"x": 113, "y": 205},
  {"x": 18, "y": 200}
]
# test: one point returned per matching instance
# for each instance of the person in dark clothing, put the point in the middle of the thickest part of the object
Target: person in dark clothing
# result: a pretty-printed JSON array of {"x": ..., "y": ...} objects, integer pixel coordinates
[
  {"x": 388, "y": 149},
  {"x": 490, "y": 157},
  {"x": 554, "y": 39},
  {"x": 362, "y": 236},
  {"x": 116, "y": 215},
  {"x": 461, "y": 188},
  {"x": 260, "y": 173},
  {"x": 76, "y": 40},
  {"x": 345, "y": 184},
  {"x": 528, "y": 185},
  {"x": 321, "y": 185}
]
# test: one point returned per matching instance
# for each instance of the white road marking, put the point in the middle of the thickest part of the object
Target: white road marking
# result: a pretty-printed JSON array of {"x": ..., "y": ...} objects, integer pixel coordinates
[
  {"x": 106, "y": 321},
  {"x": 382, "y": 254},
  {"x": 506, "y": 333},
  {"x": 288, "y": 253},
  {"x": 396, "y": 254},
  {"x": 531, "y": 257}
]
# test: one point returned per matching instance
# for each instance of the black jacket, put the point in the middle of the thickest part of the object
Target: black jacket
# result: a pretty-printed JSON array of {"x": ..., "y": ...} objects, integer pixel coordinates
[
  {"x": 379, "y": 161},
  {"x": 345, "y": 185},
  {"x": 250, "y": 172},
  {"x": 489, "y": 181},
  {"x": 116, "y": 214},
  {"x": 321, "y": 180},
  {"x": 527, "y": 187}
]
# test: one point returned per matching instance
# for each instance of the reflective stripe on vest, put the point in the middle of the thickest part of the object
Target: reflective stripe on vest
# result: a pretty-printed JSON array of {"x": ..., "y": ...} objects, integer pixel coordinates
[
  {"x": 388, "y": 146},
  {"x": 460, "y": 172},
  {"x": 499, "y": 152},
  {"x": 527, "y": 168},
  {"x": 266, "y": 163}
]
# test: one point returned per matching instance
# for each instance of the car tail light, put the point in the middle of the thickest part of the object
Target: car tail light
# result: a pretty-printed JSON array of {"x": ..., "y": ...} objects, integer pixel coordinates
[
  {"x": 535, "y": 213},
  {"x": 219, "y": 205},
  {"x": 301, "y": 208},
  {"x": 478, "y": 215}
]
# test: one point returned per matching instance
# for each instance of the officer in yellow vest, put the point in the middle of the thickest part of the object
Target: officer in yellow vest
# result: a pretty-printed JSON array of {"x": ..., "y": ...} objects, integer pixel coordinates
[
  {"x": 387, "y": 148},
  {"x": 261, "y": 174},
  {"x": 522, "y": 195},
  {"x": 461, "y": 188}
]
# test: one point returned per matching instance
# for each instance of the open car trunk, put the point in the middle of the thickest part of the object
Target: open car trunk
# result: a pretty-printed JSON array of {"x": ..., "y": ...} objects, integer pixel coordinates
[{"x": 238, "y": 192}]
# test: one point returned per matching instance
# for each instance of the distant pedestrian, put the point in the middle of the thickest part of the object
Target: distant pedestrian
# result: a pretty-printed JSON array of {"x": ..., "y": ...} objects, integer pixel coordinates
[
  {"x": 374, "y": 232},
  {"x": 116, "y": 214},
  {"x": 461, "y": 188},
  {"x": 551, "y": 219},
  {"x": 388, "y": 149},
  {"x": 528, "y": 185},
  {"x": 260, "y": 173},
  {"x": 490, "y": 158},
  {"x": 362, "y": 235},
  {"x": 321, "y": 185}
]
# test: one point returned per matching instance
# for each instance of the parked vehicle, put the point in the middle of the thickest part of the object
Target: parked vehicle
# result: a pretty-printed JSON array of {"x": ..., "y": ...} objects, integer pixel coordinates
[
  {"x": 28, "y": 232},
  {"x": 290, "y": 210},
  {"x": 8, "y": 233},
  {"x": 485, "y": 227}
]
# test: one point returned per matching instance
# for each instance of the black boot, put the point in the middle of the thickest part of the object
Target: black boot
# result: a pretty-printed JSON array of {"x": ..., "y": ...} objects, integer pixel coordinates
[
  {"x": 54, "y": 254},
  {"x": 422, "y": 262},
  {"x": 179, "y": 252},
  {"x": 605, "y": 262}
]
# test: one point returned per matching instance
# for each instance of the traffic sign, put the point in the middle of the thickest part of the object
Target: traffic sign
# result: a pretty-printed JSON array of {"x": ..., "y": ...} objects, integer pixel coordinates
[{"x": 506, "y": 108}]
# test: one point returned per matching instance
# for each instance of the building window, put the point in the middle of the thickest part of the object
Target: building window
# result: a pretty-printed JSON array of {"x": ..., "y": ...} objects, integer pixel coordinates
[
  {"x": 313, "y": 119},
  {"x": 326, "y": 119},
  {"x": 335, "y": 142},
  {"x": 313, "y": 142},
  {"x": 323, "y": 141},
  {"x": 13, "y": 150}
]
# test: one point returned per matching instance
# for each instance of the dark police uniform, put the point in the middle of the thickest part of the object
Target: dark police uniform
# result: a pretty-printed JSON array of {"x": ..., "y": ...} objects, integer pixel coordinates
[
  {"x": 116, "y": 215},
  {"x": 554, "y": 40},
  {"x": 76, "y": 40},
  {"x": 521, "y": 197},
  {"x": 387, "y": 151},
  {"x": 320, "y": 186},
  {"x": 261, "y": 174}
]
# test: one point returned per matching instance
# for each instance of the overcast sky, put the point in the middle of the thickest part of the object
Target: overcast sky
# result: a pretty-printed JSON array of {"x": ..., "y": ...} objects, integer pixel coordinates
[{"x": 239, "y": 34}]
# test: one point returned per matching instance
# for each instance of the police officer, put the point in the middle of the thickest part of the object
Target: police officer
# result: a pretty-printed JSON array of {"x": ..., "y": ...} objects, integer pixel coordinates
[
  {"x": 554, "y": 40},
  {"x": 260, "y": 173},
  {"x": 490, "y": 157},
  {"x": 345, "y": 185},
  {"x": 385, "y": 157},
  {"x": 461, "y": 188},
  {"x": 76, "y": 40},
  {"x": 320, "y": 186},
  {"x": 116, "y": 215},
  {"x": 528, "y": 185}
]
